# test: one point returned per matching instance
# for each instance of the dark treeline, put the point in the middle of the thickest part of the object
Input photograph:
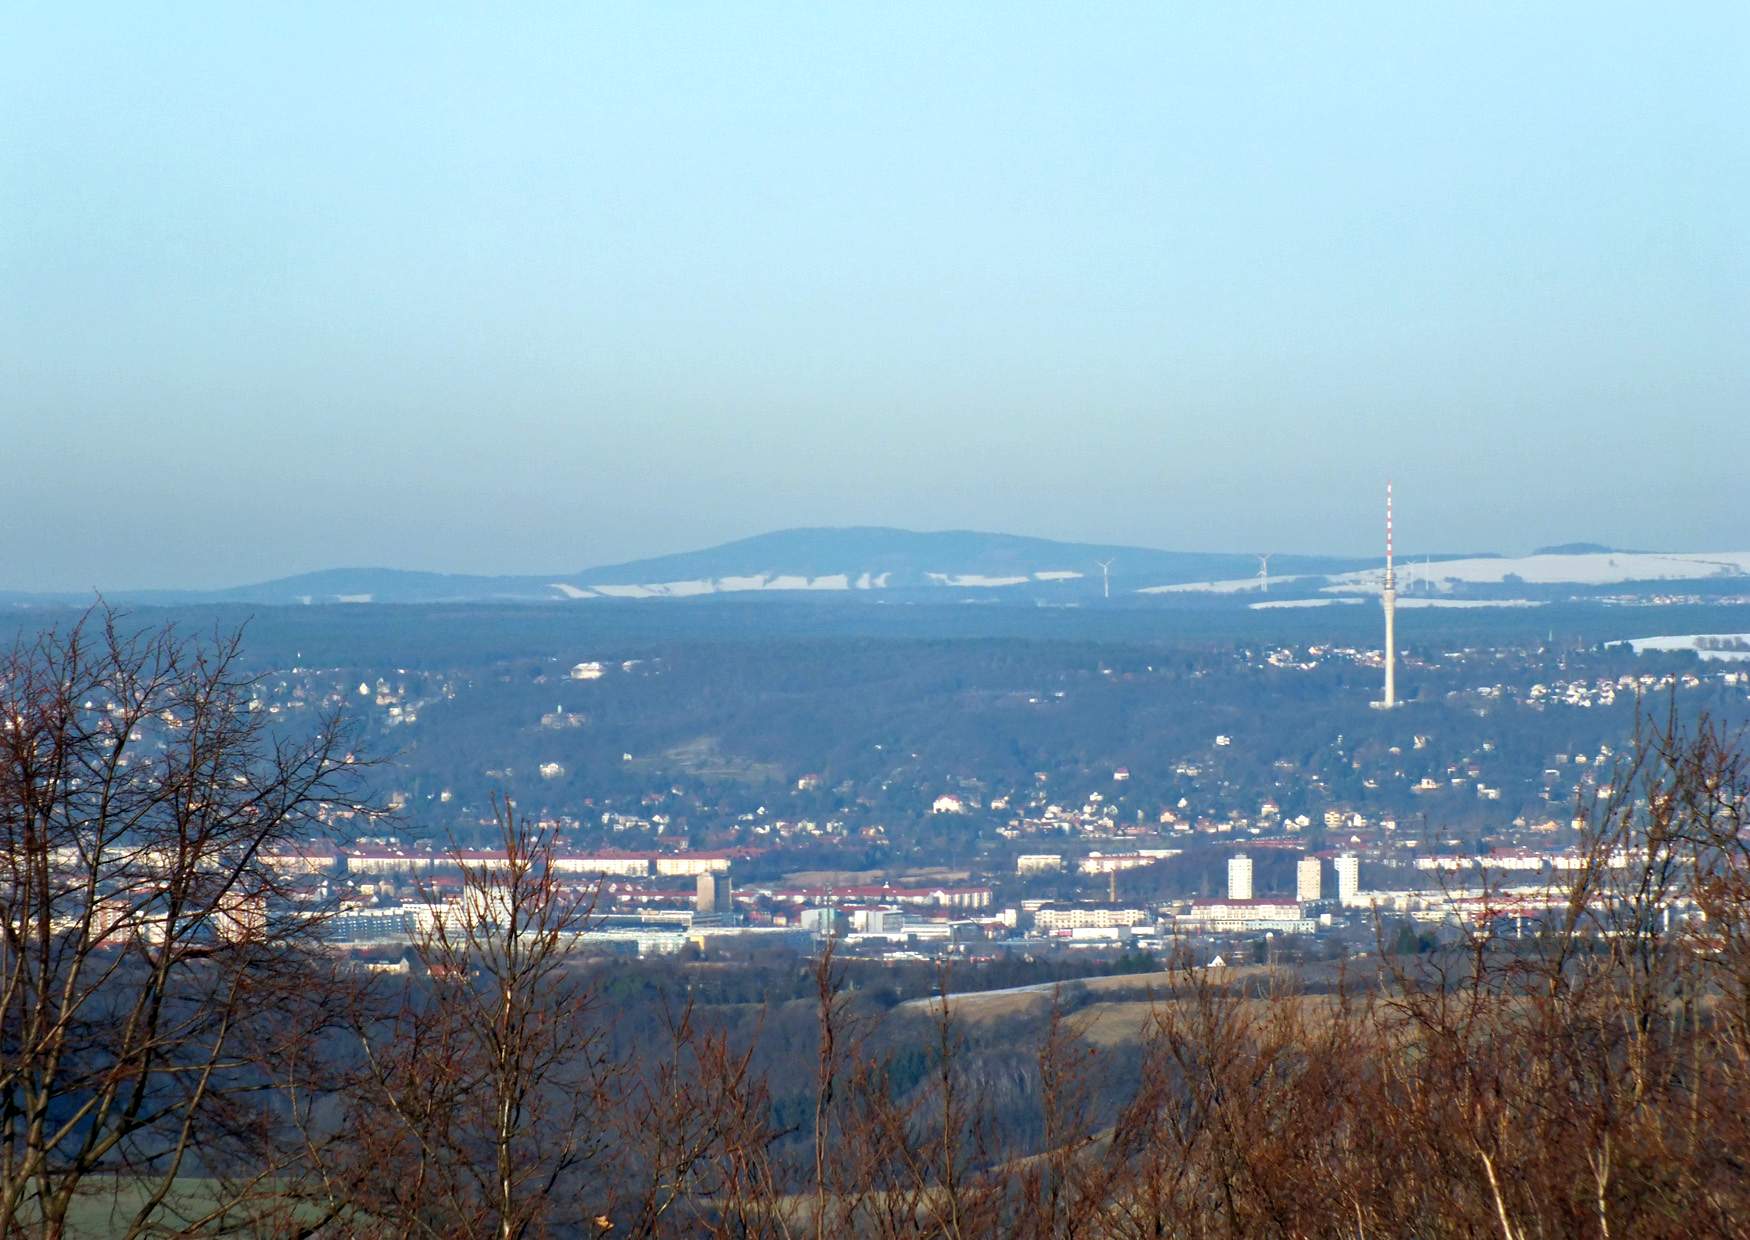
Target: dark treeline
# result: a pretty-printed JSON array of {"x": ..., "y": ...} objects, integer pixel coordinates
[
  {"x": 728, "y": 704},
  {"x": 433, "y": 637}
]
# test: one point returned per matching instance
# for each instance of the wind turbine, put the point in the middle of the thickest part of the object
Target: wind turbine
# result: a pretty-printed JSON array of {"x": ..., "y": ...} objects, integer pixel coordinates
[
  {"x": 1264, "y": 573},
  {"x": 1105, "y": 577}
]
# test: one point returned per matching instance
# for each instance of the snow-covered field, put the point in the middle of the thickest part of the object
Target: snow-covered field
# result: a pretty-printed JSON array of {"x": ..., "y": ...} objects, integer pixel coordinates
[
  {"x": 1234, "y": 586},
  {"x": 781, "y": 581},
  {"x": 1601, "y": 569},
  {"x": 1404, "y": 601},
  {"x": 1273, "y": 604},
  {"x": 722, "y": 585},
  {"x": 1419, "y": 582},
  {"x": 1688, "y": 642},
  {"x": 974, "y": 579},
  {"x": 791, "y": 581},
  {"x": 980, "y": 581}
]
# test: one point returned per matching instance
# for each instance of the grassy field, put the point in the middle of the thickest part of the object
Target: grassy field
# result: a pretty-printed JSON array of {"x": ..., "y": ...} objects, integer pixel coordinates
[
  {"x": 107, "y": 1208},
  {"x": 1108, "y": 1022}
]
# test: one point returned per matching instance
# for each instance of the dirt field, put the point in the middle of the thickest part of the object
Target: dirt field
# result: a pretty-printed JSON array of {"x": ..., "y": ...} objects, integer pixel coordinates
[{"x": 1110, "y": 1023}]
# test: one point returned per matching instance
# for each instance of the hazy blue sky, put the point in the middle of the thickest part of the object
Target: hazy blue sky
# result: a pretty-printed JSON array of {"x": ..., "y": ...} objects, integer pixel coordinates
[{"x": 508, "y": 288}]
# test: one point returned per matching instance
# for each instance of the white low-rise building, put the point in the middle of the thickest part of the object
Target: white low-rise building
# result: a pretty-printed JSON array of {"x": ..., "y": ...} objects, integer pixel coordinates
[
  {"x": 1054, "y": 920},
  {"x": 1246, "y": 917},
  {"x": 628, "y": 865},
  {"x": 692, "y": 864}
]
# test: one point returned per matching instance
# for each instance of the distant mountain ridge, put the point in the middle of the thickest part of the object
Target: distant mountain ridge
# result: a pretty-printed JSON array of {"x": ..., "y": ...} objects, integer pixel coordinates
[
  {"x": 875, "y": 562},
  {"x": 861, "y": 559},
  {"x": 879, "y": 557}
]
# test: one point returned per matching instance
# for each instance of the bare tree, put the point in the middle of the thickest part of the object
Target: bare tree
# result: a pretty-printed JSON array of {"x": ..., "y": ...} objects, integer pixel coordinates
[
  {"x": 694, "y": 1137},
  {"x": 488, "y": 1090},
  {"x": 1588, "y": 1077},
  {"x": 149, "y": 943},
  {"x": 900, "y": 1164}
]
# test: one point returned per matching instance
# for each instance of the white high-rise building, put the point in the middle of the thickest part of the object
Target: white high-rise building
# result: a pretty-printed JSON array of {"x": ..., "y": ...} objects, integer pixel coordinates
[
  {"x": 715, "y": 895},
  {"x": 1306, "y": 880},
  {"x": 1349, "y": 879},
  {"x": 1239, "y": 877}
]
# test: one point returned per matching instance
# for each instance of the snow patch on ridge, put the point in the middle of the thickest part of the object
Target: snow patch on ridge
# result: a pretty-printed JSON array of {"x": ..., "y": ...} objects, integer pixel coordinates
[
  {"x": 724, "y": 585},
  {"x": 1593, "y": 568},
  {"x": 975, "y": 579},
  {"x": 1463, "y": 602},
  {"x": 1234, "y": 586},
  {"x": 1688, "y": 641},
  {"x": 1298, "y": 602}
]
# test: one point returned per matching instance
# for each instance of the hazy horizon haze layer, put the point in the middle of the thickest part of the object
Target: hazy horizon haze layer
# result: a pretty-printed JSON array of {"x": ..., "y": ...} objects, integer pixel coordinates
[{"x": 476, "y": 292}]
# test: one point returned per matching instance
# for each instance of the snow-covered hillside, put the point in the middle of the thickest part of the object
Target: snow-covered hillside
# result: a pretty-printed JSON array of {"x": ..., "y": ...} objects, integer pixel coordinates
[
  {"x": 1416, "y": 577},
  {"x": 793, "y": 581},
  {"x": 1698, "y": 642},
  {"x": 912, "y": 566},
  {"x": 1232, "y": 585},
  {"x": 1597, "y": 569},
  {"x": 723, "y": 585}
]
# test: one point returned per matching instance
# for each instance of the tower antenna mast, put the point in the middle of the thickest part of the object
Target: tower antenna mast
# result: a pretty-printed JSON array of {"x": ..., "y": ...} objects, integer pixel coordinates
[{"x": 1388, "y": 597}]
